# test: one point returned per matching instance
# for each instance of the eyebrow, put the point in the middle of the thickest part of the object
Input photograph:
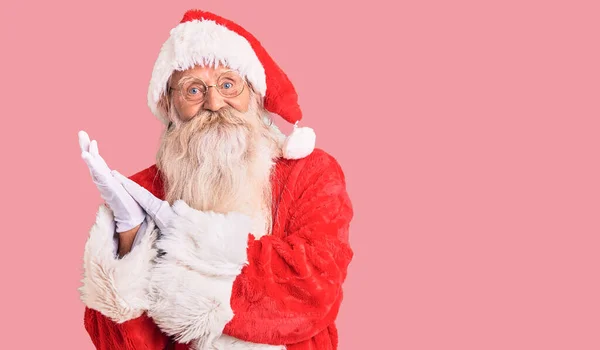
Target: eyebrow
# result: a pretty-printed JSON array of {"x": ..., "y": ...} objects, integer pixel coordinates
[
  {"x": 190, "y": 76},
  {"x": 187, "y": 78}
]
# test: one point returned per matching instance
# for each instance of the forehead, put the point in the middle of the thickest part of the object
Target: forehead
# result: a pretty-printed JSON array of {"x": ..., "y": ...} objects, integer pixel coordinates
[{"x": 206, "y": 73}]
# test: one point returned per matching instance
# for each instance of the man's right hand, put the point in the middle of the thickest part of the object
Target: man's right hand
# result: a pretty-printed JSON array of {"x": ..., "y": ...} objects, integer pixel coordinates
[{"x": 128, "y": 213}]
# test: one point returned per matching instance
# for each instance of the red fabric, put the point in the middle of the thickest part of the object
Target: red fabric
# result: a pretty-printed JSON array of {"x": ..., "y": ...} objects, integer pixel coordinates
[
  {"x": 291, "y": 289},
  {"x": 137, "y": 334},
  {"x": 281, "y": 97}
]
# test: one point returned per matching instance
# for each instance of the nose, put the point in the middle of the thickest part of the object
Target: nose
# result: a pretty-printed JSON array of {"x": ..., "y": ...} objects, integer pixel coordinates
[{"x": 213, "y": 101}]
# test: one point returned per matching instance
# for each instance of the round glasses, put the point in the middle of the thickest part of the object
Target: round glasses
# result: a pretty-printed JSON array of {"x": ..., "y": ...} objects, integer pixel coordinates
[{"x": 229, "y": 84}]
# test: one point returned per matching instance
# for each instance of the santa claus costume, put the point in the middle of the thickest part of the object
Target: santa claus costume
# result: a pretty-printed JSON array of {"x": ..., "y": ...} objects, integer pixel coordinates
[{"x": 226, "y": 286}]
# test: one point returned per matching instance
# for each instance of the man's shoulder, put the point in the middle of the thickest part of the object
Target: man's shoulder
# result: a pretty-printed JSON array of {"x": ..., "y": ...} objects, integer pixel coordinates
[
  {"x": 317, "y": 164},
  {"x": 321, "y": 158}
]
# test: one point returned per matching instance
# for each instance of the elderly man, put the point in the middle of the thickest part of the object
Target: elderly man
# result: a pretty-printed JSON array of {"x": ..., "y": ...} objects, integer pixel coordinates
[{"x": 237, "y": 238}]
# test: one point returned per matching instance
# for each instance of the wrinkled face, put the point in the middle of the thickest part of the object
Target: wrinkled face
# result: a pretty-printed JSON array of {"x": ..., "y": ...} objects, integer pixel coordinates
[
  {"x": 218, "y": 152},
  {"x": 185, "y": 91}
]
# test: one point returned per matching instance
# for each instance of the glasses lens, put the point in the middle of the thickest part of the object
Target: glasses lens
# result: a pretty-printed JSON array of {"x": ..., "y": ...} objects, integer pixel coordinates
[
  {"x": 230, "y": 84},
  {"x": 193, "y": 90}
]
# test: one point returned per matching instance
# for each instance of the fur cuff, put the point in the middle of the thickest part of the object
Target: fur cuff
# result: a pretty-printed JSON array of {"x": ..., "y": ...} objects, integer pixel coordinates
[
  {"x": 191, "y": 283},
  {"x": 226, "y": 342},
  {"x": 118, "y": 288}
]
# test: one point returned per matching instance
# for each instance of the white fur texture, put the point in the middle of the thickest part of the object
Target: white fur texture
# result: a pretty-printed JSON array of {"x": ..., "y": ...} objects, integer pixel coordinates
[
  {"x": 191, "y": 283},
  {"x": 203, "y": 43},
  {"x": 118, "y": 288},
  {"x": 300, "y": 143},
  {"x": 226, "y": 342}
]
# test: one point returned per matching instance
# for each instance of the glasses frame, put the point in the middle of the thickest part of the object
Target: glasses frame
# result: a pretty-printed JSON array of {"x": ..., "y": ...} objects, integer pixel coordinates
[{"x": 180, "y": 88}]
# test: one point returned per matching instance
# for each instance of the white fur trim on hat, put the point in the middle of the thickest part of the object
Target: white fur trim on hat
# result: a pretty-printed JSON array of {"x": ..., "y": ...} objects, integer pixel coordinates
[{"x": 203, "y": 43}]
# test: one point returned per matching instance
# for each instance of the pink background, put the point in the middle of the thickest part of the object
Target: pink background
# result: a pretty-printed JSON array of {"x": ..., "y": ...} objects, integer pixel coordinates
[{"x": 468, "y": 134}]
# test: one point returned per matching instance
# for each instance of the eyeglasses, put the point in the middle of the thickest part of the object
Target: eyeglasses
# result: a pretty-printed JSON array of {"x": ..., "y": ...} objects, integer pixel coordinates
[{"x": 229, "y": 84}]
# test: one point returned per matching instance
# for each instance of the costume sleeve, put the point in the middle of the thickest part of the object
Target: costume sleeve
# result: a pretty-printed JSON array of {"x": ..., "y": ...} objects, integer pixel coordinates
[
  {"x": 282, "y": 290},
  {"x": 291, "y": 288},
  {"x": 115, "y": 291},
  {"x": 136, "y": 334}
]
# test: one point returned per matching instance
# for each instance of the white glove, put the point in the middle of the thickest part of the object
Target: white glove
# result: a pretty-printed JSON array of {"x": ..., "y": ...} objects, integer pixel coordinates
[
  {"x": 159, "y": 210},
  {"x": 128, "y": 213}
]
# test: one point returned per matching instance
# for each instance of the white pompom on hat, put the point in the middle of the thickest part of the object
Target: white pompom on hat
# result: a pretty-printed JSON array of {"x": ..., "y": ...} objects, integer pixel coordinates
[{"x": 203, "y": 38}]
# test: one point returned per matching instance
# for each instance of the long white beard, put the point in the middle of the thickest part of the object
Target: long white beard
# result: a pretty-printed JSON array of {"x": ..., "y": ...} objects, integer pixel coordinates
[{"x": 219, "y": 162}]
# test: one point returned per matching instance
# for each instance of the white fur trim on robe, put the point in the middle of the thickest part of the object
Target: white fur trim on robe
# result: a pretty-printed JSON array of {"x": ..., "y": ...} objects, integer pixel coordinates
[
  {"x": 201, "y": 254},
  {"x": 225, "y": 342},
  {"x": 118, "y": 288}
]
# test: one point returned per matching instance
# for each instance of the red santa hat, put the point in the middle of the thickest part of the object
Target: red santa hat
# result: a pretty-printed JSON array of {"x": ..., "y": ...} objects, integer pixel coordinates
[{"x": 203, "y": 38}]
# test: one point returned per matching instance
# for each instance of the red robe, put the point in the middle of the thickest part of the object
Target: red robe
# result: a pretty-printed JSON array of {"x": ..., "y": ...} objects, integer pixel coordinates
[{"x": 288, "y": 293}]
